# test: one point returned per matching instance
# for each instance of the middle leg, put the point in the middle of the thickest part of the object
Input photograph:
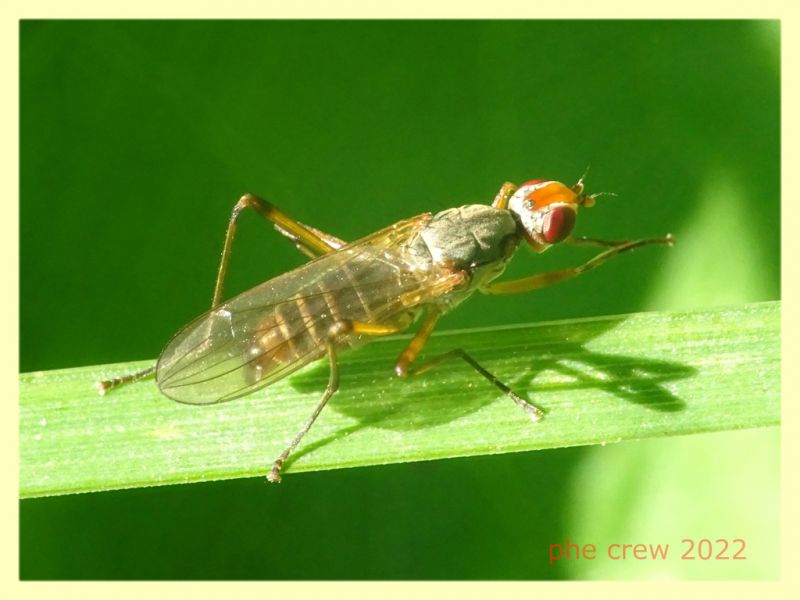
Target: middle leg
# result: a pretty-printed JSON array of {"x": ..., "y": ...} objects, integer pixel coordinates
[
  {"x": 403, "y": 366},
  {"x": 335, "y": 334}
]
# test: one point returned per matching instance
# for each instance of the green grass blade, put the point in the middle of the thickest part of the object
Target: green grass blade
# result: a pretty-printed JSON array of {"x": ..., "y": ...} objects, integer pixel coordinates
[{"x": 601, "y": 380}]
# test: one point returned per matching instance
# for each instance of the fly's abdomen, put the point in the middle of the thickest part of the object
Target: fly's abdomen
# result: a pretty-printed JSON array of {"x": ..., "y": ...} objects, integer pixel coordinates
[{"x": 297, "y": 331}]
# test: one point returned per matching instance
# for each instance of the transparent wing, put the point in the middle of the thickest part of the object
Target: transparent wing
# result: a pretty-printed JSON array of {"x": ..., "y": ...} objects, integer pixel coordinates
[{"x": 275, "y": 328}]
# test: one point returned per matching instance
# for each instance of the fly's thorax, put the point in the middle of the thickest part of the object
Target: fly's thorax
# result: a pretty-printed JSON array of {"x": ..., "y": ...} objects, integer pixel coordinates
[{"x": 475, "y": 239}]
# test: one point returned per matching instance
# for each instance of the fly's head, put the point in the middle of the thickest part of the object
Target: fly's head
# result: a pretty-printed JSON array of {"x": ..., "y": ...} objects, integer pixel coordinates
[{"x": 546, "y": 210}]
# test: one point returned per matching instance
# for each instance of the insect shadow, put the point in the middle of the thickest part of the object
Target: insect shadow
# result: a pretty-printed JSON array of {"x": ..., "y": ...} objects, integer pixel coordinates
[{"x": 388, "y": 402}]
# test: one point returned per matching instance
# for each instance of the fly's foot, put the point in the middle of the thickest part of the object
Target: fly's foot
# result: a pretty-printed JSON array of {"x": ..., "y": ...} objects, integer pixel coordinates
[
  {"x": 103, "y": 386},
  {"x": 534, "y": 412},
  {"x": 274, "y": 475}
]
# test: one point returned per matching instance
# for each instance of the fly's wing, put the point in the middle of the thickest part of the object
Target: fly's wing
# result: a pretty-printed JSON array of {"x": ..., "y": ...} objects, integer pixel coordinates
[{"x": 275, "y": 328}]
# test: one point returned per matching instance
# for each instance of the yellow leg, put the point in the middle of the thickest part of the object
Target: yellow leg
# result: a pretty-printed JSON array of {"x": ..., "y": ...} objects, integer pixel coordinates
[
  {"x": 306, "y": 238},
  {"x": 582, "y": 240},
  {"x": 416, "y": 344},
  {"x": 334, "y": 335},
  {"x": 407, "y": 357},
  {"x": 541, "y": 280},
  {"x": 296, "y": 231},
  {"x": 506, "y": 191},
  {"x": 332, "y": 241}
]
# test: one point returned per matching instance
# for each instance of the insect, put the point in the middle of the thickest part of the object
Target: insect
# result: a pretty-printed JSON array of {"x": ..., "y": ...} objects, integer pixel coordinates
[{"x": 349, "y": 293}]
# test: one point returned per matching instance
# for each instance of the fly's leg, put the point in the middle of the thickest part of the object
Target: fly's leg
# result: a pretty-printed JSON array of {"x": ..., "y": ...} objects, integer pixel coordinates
[
  {"x": 504, "y": 195},
  {"x": 104, "y": 386},
  {"x": 403, "y": 365},
  {"x": 308, "y": 237},
  {"x": 534, "y": 412},
  {"x": 305, "y": 237},
  {"x": 582, "y": 240},
  {"x": 310, "y": 252},
  {"x": 335, "y": 334},
  {"x": 333, "y": 385},
  {"x": 541, "y": 280}
]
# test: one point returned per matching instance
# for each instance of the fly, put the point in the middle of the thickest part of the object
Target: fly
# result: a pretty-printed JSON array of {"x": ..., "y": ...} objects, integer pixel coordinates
[{"x": 349, "y": 293}]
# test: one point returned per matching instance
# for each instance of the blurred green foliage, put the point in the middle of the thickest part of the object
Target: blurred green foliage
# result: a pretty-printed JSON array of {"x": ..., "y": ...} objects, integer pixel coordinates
[{"x": 138, "y": 137}]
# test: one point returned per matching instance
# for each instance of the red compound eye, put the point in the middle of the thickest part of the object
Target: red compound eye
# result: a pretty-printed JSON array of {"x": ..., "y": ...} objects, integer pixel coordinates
[{"x": 558, "y": 223}]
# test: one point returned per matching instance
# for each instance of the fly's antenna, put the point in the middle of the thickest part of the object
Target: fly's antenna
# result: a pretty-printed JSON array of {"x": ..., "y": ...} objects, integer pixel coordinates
[
  {"x": 598, "y": 194},
  {"x": 578, "y": 187},
  {"x": 585, "y": 173},
  {"x": 589, "y": 200}
]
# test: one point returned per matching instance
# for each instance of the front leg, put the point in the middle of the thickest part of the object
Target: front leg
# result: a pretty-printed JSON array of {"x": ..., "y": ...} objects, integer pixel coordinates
[
  {"x": 534, "y": 282},
  {"x": 504, "y": 195}
]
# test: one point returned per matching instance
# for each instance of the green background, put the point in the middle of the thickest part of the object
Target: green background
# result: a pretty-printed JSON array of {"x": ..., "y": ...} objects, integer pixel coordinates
[{"x": 138, "y": 137}]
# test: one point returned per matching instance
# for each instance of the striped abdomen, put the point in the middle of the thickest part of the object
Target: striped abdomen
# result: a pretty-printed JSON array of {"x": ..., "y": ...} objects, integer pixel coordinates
[{"x": 367, "y": 289}]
